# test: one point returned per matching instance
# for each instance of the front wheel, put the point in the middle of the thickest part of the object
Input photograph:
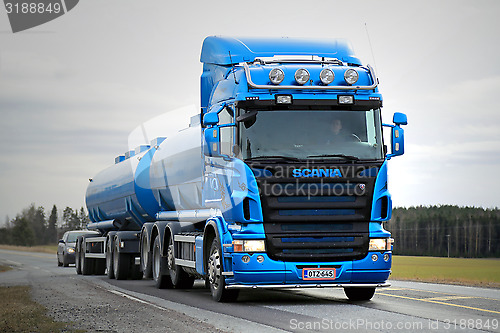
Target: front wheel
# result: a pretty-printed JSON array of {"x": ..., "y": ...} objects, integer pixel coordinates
[
  {"x": 215, "y": 277},
  {"x": 359, "y": 294}
]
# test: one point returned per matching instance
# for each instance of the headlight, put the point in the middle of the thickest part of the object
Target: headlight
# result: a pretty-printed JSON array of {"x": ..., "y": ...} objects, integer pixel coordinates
[
  {"x": 327, "y": 76},
  {"x": 351, "y": 76},
  {"x": 248, "y": 245},
  {"x": 276, "y": 76},
  {"x": 71, "y": 250},
  {"x": 380, "y": 244},
  {"x": 302, "y": 76}
]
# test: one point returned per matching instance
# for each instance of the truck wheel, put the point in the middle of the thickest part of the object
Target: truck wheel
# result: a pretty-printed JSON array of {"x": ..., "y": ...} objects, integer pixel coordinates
[
  {"x": 180, "y": 279},
  {"x": 146, "y": 263},
  {"x": 77, "y": 257},
  {"x": 109, "y": 259},
  {"x": 215, "y": 277},
  {"x": 159, "y": 265},
  {"x": 359, "y": 294},
  {"x": 121, "y": 262}
]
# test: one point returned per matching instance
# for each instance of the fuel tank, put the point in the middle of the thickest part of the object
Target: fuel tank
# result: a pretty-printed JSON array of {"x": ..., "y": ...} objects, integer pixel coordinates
[{"x": 163, "y": 176}]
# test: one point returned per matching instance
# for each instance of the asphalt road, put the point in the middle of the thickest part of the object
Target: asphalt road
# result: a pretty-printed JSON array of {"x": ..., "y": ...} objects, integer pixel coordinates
[{"x": 406, "y": 306}]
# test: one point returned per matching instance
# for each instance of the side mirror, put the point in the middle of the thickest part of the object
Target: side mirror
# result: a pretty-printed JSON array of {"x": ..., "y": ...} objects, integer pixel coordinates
[
  {"x": 212, "y": 141},
  {"x": 397, "y": 135},
  {"x": 399, "y": 119},
  {"x": 62, "y": 241},
  {"x": 210, "y": 119}
]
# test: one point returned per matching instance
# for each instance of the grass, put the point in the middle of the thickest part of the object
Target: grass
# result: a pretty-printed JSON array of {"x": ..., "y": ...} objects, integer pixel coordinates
[
  {"x": 19, "y": 313},
  {"x": 42, "y": 248},
  {"x": 4, "y": 268},
  {"x": 463, "y": 271}
]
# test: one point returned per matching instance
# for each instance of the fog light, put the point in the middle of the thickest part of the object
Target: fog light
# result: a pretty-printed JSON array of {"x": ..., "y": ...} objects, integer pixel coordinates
[
  {"x": 302, "y": 76},
  {"x": 327, "y": 76},
  {"x": 351, "y": 76},
  {"x": 387, "y": 257},
  {"x": 260, "y": 259},
  {"x": 245, "y": 259},
  {"x": 374, "y": 257},
  {"x": 122, "y": 244},
  {"x": 283, "y": 99},
  {"x": 276, "y": 76},
  {"x": 346, "y": 99}
]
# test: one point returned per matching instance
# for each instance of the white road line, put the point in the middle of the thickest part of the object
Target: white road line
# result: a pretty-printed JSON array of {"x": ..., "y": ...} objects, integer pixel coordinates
[{"x": 135, "y": 299}]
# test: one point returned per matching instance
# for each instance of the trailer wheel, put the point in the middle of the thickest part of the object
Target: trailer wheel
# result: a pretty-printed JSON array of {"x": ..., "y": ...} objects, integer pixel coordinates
[
  {"x": 77, "y": 257},
  {"x": 215, "y": 277},
  {"x": 109, "y": 259},
  {"x": 359, "y": 294},
  {"x": 100, "y": 266},
  {"x": 146, "y": 261},
  {"x": 159, "y": 265},
  {"x": 121, "y": 262},
  {"x": 180, "y": 279},
  {"x": 86, "y": 264}
]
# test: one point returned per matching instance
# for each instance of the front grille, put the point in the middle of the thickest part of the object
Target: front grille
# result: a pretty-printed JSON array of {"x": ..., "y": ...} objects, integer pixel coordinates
[{"x": 316, "y": 219}]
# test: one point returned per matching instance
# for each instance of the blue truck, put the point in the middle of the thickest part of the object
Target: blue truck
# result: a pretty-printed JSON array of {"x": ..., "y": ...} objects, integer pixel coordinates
[{"x": 279, "y": 182}]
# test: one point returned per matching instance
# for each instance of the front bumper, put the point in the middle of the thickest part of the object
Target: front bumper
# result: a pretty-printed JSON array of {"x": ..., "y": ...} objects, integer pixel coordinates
[{"x": 278, "y": 274}]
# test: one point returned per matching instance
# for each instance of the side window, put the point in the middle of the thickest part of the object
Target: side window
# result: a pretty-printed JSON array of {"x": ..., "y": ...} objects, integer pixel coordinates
[{"x": 226, "y": 116}]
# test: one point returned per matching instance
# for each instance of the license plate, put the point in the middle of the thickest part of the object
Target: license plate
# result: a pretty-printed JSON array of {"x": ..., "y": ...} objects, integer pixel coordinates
[{"x": 318, "y": 274}]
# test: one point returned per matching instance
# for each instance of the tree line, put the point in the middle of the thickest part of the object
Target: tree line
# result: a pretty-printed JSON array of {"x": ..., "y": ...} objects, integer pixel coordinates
[
  {"x": 32, "y": 226},
  {"x": 467, "y": 232}
]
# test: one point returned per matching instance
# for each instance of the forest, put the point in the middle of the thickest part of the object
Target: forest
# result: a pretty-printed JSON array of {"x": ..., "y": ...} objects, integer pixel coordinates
[
  {"x": 442, "y": 231},
  {"x": 33, "y": 227}
]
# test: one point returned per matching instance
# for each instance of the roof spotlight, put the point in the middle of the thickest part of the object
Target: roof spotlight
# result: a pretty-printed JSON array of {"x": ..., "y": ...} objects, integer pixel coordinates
[
  {"x": 302, "y": 76},
  {"x": 327, "y": 76},
  {"x": 276, "y": 76},
  {"x": 351, "y": 76}
]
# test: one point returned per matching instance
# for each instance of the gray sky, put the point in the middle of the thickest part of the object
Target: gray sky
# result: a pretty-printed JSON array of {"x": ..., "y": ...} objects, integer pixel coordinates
[{"x": 73, "y": 89}]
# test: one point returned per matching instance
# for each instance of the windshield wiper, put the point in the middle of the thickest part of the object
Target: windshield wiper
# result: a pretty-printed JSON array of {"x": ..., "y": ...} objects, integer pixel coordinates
[
  {"x": 347, "y": 157},
  {"x": 286, "y": 158}
]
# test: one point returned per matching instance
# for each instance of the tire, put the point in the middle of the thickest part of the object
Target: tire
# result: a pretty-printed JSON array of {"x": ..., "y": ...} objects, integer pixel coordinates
[
  {"x": 121, "y": 262},
  {"x": 110, "y": 272},
  {"x": 58, "y": 262},
  {"x": 159, "y": 266},
  {"x": 359, "y": 294},
  {"x": 87, "y": 264},
  {"x": 99, "y": 266},
  {"x": 65, "y": 261},
  {"x": 180, "y": 279},
  {"x": 77, "y": 257},
  {"x": 146, "y": 261},
  {"x": 215, "y": 277}
]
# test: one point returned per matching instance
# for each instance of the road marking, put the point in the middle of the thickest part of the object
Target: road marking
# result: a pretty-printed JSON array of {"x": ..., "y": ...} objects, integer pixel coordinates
[
  {"x": 428, "y": 300},
  {"x": 135, "y": 299},
  {"x": 449, "y": 298}
]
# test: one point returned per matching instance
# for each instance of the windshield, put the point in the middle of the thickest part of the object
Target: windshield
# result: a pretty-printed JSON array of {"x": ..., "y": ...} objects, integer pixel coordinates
[{"x": 310, "y": 134}]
